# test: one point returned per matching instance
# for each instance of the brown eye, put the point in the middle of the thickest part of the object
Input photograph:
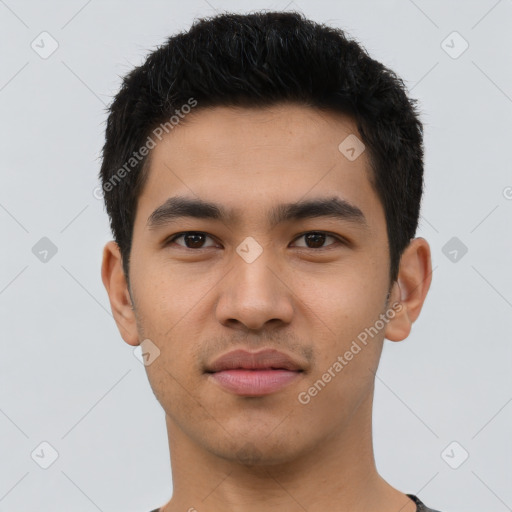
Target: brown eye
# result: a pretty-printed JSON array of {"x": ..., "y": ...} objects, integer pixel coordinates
[
  {"x": 316, "y": 239},
  {"x": 192, "y": 239}
]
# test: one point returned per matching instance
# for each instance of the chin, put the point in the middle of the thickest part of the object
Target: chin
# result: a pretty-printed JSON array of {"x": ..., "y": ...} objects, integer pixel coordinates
[{"x": 258, "y": 452}]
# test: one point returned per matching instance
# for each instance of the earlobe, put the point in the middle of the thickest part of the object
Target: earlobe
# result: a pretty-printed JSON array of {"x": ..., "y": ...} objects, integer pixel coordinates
[
  {"x": 410, "y": 289},
  {"x": 114, "y": 280}
]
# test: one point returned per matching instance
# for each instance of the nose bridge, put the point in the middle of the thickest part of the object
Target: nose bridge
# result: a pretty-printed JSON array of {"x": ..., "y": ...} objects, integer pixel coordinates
[
  {"x": 253, "y": 270},
  {"x": 253, "y": 293}
]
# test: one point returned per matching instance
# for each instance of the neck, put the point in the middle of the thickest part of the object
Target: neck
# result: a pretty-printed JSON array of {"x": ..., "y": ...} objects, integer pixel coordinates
[{"x": 338, "y": 473}]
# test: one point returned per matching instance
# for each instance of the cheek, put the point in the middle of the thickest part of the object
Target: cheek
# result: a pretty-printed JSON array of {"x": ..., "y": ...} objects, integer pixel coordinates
[
  {"x": 164, "y": 296},
  {"x": 349, "y": 299},
  {"x": 164, "y": 310},
  {"x": 344, "y": 307},
  {"x": 343, "y": 373}
]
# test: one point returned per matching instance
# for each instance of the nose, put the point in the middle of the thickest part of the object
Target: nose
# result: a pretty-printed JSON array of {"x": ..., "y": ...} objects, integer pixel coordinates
[{"x": 255, "y": 294}]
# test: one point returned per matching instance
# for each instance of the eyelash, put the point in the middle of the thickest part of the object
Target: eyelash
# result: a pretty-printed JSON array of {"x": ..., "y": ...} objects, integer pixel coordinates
[{"x": 183, "y": 233}]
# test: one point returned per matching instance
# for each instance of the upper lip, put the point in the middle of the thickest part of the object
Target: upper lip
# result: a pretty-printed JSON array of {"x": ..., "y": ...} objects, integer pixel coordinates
[{"x": 263, "y": 360}]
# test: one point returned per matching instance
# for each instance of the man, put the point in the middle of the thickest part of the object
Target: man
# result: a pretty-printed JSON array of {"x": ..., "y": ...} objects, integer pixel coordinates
[{"x": 263, "y": 177}]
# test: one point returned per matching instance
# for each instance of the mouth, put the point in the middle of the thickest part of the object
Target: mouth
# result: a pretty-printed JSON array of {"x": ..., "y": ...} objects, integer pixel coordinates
[
  {"x": 254, "y": 374},
  {"x": 254, "y": 382}
]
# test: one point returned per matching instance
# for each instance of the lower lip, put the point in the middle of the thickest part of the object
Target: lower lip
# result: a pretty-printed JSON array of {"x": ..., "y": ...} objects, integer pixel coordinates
[{"x": 254, "y": 382}]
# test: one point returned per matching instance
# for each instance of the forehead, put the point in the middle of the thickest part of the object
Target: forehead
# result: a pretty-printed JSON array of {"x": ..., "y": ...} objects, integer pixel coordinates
[
  {"x": 250, "y": 158},
  {"x": 220, "y": 134}
]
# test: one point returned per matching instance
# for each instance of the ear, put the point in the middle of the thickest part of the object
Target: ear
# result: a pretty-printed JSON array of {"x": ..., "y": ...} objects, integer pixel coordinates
[
  {"x": 410, "y": 288},
  {"x": 114, "y": 280}
]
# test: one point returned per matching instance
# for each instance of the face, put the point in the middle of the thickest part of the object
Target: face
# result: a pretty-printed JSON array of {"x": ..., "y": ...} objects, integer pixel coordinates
[{"x": 258, "y": 274}]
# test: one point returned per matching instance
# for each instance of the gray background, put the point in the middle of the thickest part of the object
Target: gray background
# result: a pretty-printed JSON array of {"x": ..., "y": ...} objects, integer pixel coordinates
[{"x": 66, "y": 376}]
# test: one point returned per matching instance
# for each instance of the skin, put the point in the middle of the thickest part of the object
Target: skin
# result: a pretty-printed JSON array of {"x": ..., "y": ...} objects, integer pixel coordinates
[{"x": 234, "y": 453}]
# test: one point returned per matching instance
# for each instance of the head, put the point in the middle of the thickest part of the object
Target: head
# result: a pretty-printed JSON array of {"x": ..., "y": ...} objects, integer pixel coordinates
[{"x": 270, "y": 135}]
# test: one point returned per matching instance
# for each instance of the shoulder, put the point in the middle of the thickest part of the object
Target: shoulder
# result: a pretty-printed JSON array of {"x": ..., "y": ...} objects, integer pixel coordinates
[{"x": 421, "y": 506}]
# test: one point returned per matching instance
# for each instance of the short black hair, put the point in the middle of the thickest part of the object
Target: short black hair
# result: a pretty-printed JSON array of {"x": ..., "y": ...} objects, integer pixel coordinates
[{"x": 257, "y": 60}]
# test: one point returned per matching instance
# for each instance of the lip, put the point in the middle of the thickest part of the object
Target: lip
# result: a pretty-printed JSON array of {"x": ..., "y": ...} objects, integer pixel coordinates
[{"x": 254, "y": 373}]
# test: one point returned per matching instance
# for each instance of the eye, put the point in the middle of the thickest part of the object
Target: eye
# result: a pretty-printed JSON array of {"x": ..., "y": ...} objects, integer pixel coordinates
[
  {"x": 316, "y": 239},
  {"x": 196, "y": 239},
  {"x": 192, "y": 239}
]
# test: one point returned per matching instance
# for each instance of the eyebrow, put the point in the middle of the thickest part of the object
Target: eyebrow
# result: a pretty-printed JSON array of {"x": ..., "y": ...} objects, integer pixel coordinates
[{"x": 179, "y": 207}]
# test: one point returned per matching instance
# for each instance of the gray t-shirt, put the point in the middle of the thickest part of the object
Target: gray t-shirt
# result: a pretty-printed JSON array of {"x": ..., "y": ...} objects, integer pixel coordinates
[{"x": 420, "y": 508}]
